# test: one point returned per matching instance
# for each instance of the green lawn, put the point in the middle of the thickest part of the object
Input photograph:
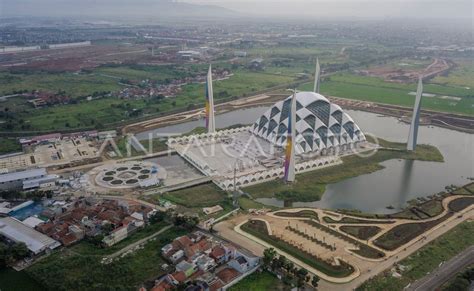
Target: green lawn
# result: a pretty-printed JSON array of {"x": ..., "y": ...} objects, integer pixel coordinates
[
  {"x": 311, "y": 185},
  {"x": 426, "y": 259},
  {"x": 72, "y": 270},
  {"x": 260, "y": 281}
]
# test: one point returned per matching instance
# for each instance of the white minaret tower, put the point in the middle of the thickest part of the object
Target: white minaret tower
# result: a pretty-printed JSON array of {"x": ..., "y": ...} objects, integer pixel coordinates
[
  {"x": 210, "y": 122},
  {"x": 290, "y": 143},
  {"x": 415, "y": 119},
  {"x": 317, "y": 77}
]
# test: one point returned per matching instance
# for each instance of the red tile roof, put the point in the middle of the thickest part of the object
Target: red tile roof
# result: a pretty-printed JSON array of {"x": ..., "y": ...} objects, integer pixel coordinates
[
  {"x": 216, "y": 285},
  {"x": 163, "y": 286},
  {"x": 217, "y": 252},
  {"x": 227, "y": 275},
  {"x": 184, "y": 241},
  {"x": 179, "y": 276}
]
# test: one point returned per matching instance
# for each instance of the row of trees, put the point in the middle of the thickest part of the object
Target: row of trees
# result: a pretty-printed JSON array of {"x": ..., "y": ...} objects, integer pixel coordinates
[
  {"x": 20, "y": 195},
  {"x": 280, "y": 264}
]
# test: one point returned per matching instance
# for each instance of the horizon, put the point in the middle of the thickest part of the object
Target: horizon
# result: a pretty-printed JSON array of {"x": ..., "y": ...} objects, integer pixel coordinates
[{"x": 459, "y": 10}]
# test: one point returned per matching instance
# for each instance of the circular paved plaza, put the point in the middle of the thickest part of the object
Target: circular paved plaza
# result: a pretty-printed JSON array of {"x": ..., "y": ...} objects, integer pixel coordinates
[{"x": 129, "y": 175}]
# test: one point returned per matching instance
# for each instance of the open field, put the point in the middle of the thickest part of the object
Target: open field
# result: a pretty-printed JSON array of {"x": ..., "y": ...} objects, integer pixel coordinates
[
  {"x": 310, "y": 186},
  {"x": 74, "y": 269},
  {"x": 462, "y": 75},
  {"x": 74, "y": 85},
  {"x": 192, "y": 200},
  {"x": 260, "y": 281},
  {"x": 374, "y": 89},
  {"x": 107, "y": 110},
  {"x": 426, "y": 259},
  {"x": 8, "y": 145}
]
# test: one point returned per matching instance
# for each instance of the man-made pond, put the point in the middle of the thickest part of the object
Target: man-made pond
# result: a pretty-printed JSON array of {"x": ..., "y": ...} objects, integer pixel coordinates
[{"x": 398, "y": 183}]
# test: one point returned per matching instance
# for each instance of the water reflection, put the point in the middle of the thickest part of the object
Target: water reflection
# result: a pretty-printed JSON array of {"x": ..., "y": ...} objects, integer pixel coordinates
[{"x": 405, "y": 182}]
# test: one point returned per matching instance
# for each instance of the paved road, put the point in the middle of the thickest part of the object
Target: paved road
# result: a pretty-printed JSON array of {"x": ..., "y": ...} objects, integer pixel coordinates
[{"x": 445, "y": 272}]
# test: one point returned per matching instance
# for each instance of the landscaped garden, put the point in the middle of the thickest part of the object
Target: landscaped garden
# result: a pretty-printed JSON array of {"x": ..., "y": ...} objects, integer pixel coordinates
[
  {"x": 360, "y": 232},
  {"x": 258, "y": 229}
]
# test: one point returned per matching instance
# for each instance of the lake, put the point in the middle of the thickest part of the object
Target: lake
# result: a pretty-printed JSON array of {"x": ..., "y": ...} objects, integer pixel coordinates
[{"x": 400, "y": 180}]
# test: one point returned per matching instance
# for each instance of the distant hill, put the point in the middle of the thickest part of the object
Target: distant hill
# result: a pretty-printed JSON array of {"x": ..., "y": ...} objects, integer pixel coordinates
[{"x": 112, "y": 8}]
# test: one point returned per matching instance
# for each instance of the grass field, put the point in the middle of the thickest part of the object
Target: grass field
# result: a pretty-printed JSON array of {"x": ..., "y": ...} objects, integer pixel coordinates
[
  {"x": 100, "y": 112},
  {"x": 73, "y": 269},
  {"x": 462, "y": 75},
  {"x": 11, "y": 280},
  {"x": 198, "y": 196},
  {"x": 74, "y": 85},
  {"x": 426, "y": 259},
  {"x": 310, "y": 186},
  {"x": 373, "y": 89},
  {"x": 8, "y": 145},
  {"x": 260, "y": 281},
  {"x": 192, "y": 200}
]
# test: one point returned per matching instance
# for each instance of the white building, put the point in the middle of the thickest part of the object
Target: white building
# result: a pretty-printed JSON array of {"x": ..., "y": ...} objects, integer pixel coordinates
[
  {"x": 35, "y": 241},
  {"x": 28, "y": 179}
]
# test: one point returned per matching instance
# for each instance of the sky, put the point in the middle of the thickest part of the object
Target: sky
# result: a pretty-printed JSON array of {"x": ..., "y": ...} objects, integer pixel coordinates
[{"x": 349, "y": 9}]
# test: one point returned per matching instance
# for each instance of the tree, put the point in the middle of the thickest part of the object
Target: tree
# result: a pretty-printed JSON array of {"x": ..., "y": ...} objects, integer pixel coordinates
[
  {"x": 315, "y": 281},
  {"x": 157, "y": 217},
  {"x": 282, "y": 261},
  {"x": 301, "y": 276},
  {"x": 268, "y": 256}
]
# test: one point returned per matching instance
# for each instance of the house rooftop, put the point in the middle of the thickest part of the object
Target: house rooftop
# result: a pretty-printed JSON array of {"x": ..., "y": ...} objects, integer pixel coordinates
[{"x": 227, "y": 275}]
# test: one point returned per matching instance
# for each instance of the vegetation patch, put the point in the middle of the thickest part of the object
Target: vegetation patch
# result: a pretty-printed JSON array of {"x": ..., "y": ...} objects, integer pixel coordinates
[
  {"x": 259, "y": 281},
  {"x": 345, "y": 220},
  {"x": 310, "y": 186},
  {"x": 470, "y": 188},
  {"x": 302, "y": 213},
  {"x": 198, "y": 196},
  {"x": 258, "y": 229},
  {"x": 425, "y": 260},
  {"x": 80, "y": 267},
  {"x": 460, "y": 203},
  {"x": 403, "y": 233},
  {"x": 360, "y": 232}
]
